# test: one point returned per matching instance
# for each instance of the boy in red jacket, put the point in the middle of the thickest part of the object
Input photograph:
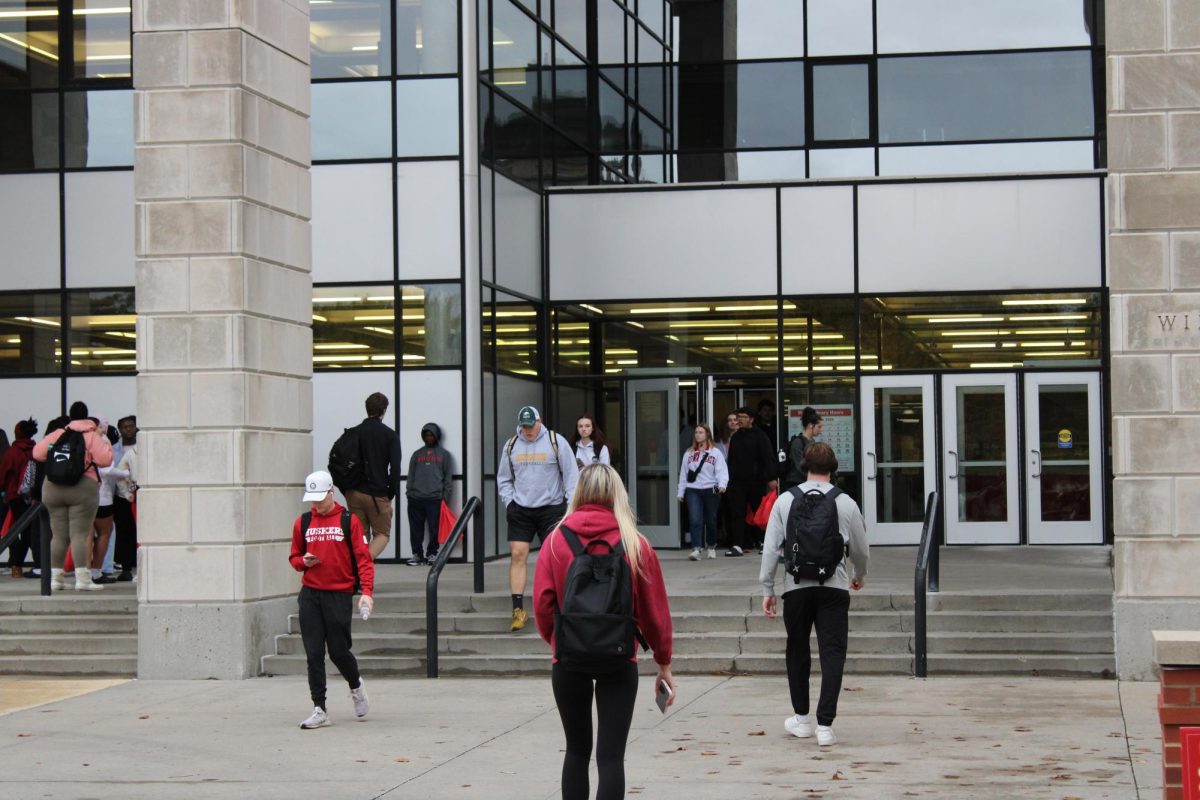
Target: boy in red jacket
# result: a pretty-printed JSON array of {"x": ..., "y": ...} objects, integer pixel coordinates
[{"x": 332, "y": 574}]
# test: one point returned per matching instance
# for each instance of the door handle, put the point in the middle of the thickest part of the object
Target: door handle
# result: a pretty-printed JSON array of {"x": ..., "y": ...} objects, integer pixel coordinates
[
  {"x": 955, "y": 475},
  {"x": 1037, "y": 454},
  {"x": 874, "y": 469}
]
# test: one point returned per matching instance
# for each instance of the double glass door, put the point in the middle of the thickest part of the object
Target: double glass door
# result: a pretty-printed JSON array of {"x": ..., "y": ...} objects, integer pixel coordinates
[
  {"x": 984, "y": 457},
  {"x": 652, "y": 445}
]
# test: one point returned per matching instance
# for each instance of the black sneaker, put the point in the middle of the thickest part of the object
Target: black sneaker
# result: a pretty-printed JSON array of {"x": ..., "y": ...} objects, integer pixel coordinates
[
  {"x": 734, "y": 551},
  {"x": 104, "y": 578},
  {"x": 125, "y": 576},
  {"x": 416, "y": 561},
  {"x": 32, "y": 574}
]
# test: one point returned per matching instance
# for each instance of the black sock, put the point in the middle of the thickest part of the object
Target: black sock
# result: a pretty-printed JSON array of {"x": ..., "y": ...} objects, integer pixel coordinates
[{"x": 518, "y": 601}]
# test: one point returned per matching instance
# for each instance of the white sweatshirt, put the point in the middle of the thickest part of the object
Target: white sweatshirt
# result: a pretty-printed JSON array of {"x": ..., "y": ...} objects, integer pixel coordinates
[{"x": 713, "y": 474}]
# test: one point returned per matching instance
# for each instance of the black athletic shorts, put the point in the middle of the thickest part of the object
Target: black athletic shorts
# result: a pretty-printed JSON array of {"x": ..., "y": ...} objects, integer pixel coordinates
[
  {"x": 526, "y": 523},
  {"x": 104, "y": 512}
]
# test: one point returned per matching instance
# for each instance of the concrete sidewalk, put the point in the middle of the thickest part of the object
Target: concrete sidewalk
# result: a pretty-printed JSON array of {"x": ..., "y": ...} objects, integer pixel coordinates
[{"x": 501, "y": 740}]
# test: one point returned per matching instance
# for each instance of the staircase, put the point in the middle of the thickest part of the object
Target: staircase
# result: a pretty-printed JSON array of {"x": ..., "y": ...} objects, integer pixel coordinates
[
  {"x": 69, "y": 634},
  {"x": 1047, "y": 633}
]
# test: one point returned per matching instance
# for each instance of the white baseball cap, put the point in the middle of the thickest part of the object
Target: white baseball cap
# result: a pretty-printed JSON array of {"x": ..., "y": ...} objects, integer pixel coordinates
[{"x": 317, "y": 485}]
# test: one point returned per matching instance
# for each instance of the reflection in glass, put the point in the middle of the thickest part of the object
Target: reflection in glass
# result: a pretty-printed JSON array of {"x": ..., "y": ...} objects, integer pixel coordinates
[
  {"x": 570, "y": 94},
  {"x": 610, "y": 32},
  {"x": 980, "y": 454},
  {"x": 28, "y": 130},
  {"x": 921, "y": 26},
  {"x": 570, "y": 22},
  {"x": 515, "y": 141},
  {"x": 841, "y": 102},
  {"x": 771, "y": 165},
  {"x": 351, "y": 120},
  {"x": 614, "y": 137},
  {"x": 835, "y": 399},
  {"x": 350, "y": 38},
  {"x": 839, "y": 27},
  {"x": 513, "y": 326},
  {"x": 99, "y": 129},
  {"x": 649, "y": 136},
  {"x": 770, "y": 104},
  {"x": 960, "y": 159},
  {"x": 353, "y": 327},
  {"x": 29, "y": 333},
  {"x": 978, "y": 97},
  {"x": 649, "y": 50},
  {"x": 29, "y": 44},
  {"x": 852, "y": 162},
  {"x": 426, "y": 37},
  {"x": 103, "y": 332},
  {"x": 514, "y": 52},
  {"x": 427, "y": 117},
  {"x": 102, "y": 46},
  {"x": 652, "y": 457},
  {"x": 571, "y": 344},
  {"x": 1063, "y": 441},
  {"x": 900, "y": 459},
  {"x": 770, "y": 29},
  {"x": 652, "y": 90},
  {"x": 431, "y": 320},
  {"x": 651, "y": 12}
]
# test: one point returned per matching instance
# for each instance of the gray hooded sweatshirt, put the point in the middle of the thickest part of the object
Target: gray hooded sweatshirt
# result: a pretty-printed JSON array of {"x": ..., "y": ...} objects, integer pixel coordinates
[
  {"x": 430, "y": 469},
  {"x": 854, "y": 531},
  {"x": 532, "y": 476}
]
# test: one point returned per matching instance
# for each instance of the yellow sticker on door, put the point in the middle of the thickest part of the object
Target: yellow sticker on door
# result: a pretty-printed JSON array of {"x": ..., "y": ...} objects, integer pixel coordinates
[{"x": 1064, "y": 439}]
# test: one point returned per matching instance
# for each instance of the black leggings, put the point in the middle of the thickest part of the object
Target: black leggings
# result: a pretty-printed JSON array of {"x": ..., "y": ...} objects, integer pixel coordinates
[
  {"x": 325, "y": 622},
  {"x": 615, "y": 694},
  {"x": 829, "y": 610}
]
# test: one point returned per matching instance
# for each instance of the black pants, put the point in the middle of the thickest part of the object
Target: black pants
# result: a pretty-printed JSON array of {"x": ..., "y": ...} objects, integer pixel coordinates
[
  {"x": 741, "y": 494},
  {"x": 30, "y": 539},
  {"x": 615, "y": 694},
  {"x": 125, "y": 550},
  {"x": 830, "y": 609},
  {"x": 423, "y": 515},
  {"x": 325, "y": 622}
]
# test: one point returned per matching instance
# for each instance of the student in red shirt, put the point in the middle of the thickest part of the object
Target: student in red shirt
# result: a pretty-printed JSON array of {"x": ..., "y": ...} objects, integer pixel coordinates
[
  {"x": 600, "y": 510},
  {"x": 331, "y": 573}
]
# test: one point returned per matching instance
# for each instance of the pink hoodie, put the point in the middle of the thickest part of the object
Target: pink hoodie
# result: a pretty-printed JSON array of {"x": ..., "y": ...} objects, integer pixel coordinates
[{"x": 99, "y": 449}]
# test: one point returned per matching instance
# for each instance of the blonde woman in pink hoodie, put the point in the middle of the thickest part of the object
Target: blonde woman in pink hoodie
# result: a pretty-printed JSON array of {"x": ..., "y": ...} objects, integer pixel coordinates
[{"x": 73, "y": 507}]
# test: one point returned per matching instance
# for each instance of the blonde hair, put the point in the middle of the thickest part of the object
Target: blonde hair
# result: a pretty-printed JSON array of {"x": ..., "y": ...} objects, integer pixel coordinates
[
  {"x": 708, "y": 440},
  {"x": 600, "y": 485}
]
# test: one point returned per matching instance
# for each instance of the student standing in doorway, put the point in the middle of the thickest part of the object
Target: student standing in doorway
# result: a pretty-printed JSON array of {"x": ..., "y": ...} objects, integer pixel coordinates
[
  {"x": 371, "y": 499},
  {"x": 702, "y": 481}
]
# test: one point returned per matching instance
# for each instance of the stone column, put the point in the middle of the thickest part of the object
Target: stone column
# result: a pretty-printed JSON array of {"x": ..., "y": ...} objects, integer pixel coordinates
[
  {"x": 224, "y": 293},
  {"x": 1154, "y": 274}
]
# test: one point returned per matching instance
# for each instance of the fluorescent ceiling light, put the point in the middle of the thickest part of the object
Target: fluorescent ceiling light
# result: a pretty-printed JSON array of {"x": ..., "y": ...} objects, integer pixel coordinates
[
  {"x": 385, "y": 331},
  {"x": 336, "y": 300},
  {"x": 1069, "y": 301},
  {"x": 739, "y": 337},
  {"x": 1042, "y": 331},
  {"x": 1043, "y": 317},
  {"x": 974, "y": 345},
  {"x": 324, "y": 359},
  {"x": 114, "y": 57},
  {"x": 86, "y": 12},
  {"x": 373, "y": 317},
  {"x": 637, "y": 324},
  {"x": 679, "y": 310},
  {"x": 117, "y": 363},
  {"x": 345, "y": 346},
  {"x": 1043, "y": 344},
  {"x": 319, "y": 318},
  {"x": 771, "y": 307},
  {"x": 502, "y": 42},
  {"x": 591, "y": 308},
  {"x": 996, "y": 365},
  {"x": 28, "y": 47},
  {"x": 38, "y": 320},
  {"x": 936, "y": 320},
  {"x": 29, "y": 12},
  {"x": 383, "y": 298},
  {"x": 975, "y": 333},
  {"x": 365, "y": 48},
  {"x": 713, "y": 324}
]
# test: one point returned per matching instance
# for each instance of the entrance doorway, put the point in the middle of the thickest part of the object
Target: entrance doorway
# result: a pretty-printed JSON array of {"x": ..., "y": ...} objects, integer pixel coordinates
[
  {"x": 899, "y": 466},
  {"x": 652, "y": 447},
  {"x": 980, "y": 459}
]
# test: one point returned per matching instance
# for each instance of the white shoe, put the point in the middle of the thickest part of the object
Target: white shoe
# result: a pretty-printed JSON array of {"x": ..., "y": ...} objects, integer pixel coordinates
[
  {"x": 712, "y": 552},
  {"x": 799, "y": 726},
  {"x": 56, "y": 580},
  {"x": 825, "y": 735},
  {"x": 317, "y": 719},
  {"x": 695, "y": 556},
  {"x": 83, "y": 581},
  {"x": 359, "y": 696}
]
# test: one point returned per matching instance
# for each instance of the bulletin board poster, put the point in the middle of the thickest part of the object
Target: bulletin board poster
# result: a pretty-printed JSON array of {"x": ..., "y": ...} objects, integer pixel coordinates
[{"x": 837, "y": 430}]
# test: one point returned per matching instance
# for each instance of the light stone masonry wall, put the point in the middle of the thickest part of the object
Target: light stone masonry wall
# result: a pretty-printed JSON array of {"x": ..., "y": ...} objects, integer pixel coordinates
[
  {"x": 1154, "y": 265},
  {"x": 224, "y": 249}
]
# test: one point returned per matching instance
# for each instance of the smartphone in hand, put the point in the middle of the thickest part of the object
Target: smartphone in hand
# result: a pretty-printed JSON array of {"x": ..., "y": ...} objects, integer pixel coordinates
[{"x": 662, "y": 694}]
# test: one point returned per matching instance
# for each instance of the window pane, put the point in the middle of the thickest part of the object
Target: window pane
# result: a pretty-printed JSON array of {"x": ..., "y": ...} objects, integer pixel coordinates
[
  {"x": 102, "y": 47},
  {"x": 570, "y": 94},
  {"x": 850, "y": 162},
  {"x": 515, "y": 146},
  {"x": 432, "y": 325},
  {"x": 29, "y": 44},
  {"x": 353, "y": 326},
  {"x": 610, "y": 32},
  {"x": 973, "y": 97},
  {"x": 351, "y": 120},
  {"x": 29, "y": 331},
  {"x": 103, "y": 332},
  {"x": 649, "y": 50},
  {"x": 841, "y": 102},
  {"x": 514, "y": 328},
  {"x": 570, "y": 163},
  {"x": 28, "y": 130},
  {"x": 613, "y": 131},
  {"x": 651, "y": 92},
  {"x": 570, "y": 22},
  {"x": 426, "y": 37},
  {"x": 771, "y": 165},
  {"x": 650, "y": 136},
  {"x": 651, "y": 12},
  {"x": 839, "y": 27},
  {"x": 770, "y": 29},
  {"x": 99, "y": 128},
  {"x": 958, "y": 159},
  {"x": 770, "y": 104},
  {"x": 349, "y": 38},
  {"x": 918, "y": 26},
  {"x": 427, "y": 117},
  {"x": 514, "y": 52}
]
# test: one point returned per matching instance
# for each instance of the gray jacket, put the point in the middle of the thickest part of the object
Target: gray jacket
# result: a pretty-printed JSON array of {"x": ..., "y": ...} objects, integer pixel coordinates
[
  {"x": 532, "y": 476},
  {"x": 430, "y": 470},
  {"x": 854, "y": 531}
]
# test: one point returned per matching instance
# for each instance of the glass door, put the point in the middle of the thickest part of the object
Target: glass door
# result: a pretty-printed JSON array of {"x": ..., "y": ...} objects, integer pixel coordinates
[
  {"x": 898, "y": 456},
  {"x": 979, "y": 437},
  {"x": 1063, "y": 458},
  {"x": 654, "y": 451}
]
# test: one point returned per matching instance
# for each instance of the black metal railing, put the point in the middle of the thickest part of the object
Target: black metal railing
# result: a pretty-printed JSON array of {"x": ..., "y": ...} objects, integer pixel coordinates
[
  {"x": 925, "y": 579},
  {"x": 435, "y": 573},
  {"x": 37, "y": 515}
]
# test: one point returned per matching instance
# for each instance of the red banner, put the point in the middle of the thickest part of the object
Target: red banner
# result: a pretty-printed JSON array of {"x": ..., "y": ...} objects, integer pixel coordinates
[{"x": 1189, "y": 746}]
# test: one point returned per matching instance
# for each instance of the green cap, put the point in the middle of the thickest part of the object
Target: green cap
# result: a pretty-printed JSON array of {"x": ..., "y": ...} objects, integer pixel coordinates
[{"x": 528, "y": 416}]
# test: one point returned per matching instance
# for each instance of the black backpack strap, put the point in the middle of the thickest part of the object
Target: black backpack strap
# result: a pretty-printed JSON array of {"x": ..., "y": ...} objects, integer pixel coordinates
[
  {"x": 305, "y": 521},
  {"x": 562, "y": 476},
  {"x": 350, "y": 544},
  {"x": 572, "y": 540}
]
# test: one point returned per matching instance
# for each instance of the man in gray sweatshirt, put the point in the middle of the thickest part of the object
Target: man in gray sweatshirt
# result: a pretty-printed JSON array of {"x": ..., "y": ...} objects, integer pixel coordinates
[
  {"x": 430, "y": 481},
  {"x": 535, "y": 477},
  {"x": 806, "y": 602}
]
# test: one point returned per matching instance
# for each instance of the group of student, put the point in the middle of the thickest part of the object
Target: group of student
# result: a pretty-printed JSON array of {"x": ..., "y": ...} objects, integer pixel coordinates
[{"x": 580, "y": 511}]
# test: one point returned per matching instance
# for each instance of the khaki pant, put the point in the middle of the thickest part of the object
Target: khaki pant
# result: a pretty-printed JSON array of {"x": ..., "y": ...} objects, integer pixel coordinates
[
  {"x": 72, "y": 512},
  {"x": 375, "y": 514}
]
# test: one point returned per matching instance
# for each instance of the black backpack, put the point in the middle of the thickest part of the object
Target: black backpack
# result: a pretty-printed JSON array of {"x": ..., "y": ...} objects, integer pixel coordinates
[
  {"x": 306, "y": 520},
  {"x": 66, "y": 458},
  {"x": 814, "y": 545},
  {"x": 594, "y": 626},
  {"x": 347, "y": 466}
]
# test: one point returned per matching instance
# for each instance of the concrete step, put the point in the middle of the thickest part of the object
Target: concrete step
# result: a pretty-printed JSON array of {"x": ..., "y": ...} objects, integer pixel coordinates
[
  {"x": 943, "y": 643},
  {"x": 98, "y": 665},
  {"x": 120, "y": 601},
  {"x": 69, "y": 623},
  {"x": 1047, "y": 664},
  {"x": 1017, "y": 601},
  {"x": 1009, "y": 622},
  {"x": 80, "y": 645},
  {"x": 500, "y": 666},
  {"x": 856, "y": 664}
]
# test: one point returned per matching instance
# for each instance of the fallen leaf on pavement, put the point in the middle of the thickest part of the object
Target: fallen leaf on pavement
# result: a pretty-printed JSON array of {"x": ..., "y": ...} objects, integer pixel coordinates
[
  {"x": 838, "y": 776},
  {"x": 757, "y": 733},
  {"x": 403, "y": 759}
]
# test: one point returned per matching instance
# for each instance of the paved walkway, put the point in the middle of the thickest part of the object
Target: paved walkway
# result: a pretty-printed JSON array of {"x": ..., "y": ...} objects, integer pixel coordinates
[{"x": 500, "y": 740}]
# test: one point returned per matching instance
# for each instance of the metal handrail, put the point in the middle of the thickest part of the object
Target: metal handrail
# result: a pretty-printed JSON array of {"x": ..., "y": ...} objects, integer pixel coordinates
[
  {"x": 925, "y": 579},
  {"x": 431, "y": 585},
  {"x": 36, "y": 513}
]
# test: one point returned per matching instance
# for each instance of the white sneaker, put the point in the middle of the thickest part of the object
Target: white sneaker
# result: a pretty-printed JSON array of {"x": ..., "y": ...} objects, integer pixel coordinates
[
  {"x": 825, "y": 735},
  {"x": 83, "y": 582},
  {"x": 56, "y": 580},
  {"x": 799, "y": 726},
  {"x": 695, "y": 556},
  {"x": 712, "y": 552},
  {"x": 359, "y": 696},
  {"x": 317, "y": 719}
]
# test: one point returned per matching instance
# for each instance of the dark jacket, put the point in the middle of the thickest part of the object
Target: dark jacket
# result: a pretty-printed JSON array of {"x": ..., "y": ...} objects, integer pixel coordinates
[
  {"x": 752, "y": 457},
  {"x": 12, "y": 466},
  {"x": 430, "y": 469},
  {"x": 798, "y": 472},
  {"x": 381, "y": 451}
]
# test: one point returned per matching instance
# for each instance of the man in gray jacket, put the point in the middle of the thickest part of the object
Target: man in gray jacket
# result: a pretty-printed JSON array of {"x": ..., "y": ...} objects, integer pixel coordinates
[
  {"x": 806, "y": 602},
  {"x": 430, "y": 482},
  {"x": 535, "y": 477}
]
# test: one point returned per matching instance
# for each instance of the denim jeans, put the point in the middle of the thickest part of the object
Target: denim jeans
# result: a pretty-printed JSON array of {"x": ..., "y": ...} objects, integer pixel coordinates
[{"x": 702, "y": 505}]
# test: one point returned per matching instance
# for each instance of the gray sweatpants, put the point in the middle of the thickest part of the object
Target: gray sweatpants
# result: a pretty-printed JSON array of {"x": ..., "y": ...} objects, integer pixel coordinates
[{"x": 72, "y": 512}]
